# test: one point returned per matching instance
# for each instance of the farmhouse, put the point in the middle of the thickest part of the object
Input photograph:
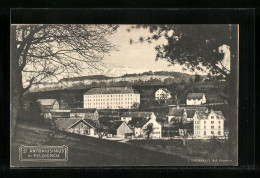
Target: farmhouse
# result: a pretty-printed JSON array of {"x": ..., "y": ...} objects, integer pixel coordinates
[
  {"x": 128, "y": 116},
  {"x": 176, "y": 115},
  {"x": 48, "y": 104},
  {"x": 195, "y": 99},
  {"x": 208, "y": 123},
  {"x": 140, "y": 127},
  {"x": 79, "y": 126},
  {"x": 162, "y": 94},
  {"x": 111, "y": 98},
  {"x": 119, "y": 129},
  {"x": 84, "y": 113}
]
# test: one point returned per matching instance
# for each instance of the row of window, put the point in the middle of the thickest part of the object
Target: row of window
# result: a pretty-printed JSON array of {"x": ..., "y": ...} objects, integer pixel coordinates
[
  {"x": 112, "y": 99},
  {"x": 205, "y": 122},
  {"x": 111, "y": 103},
  {"x": 205, "y": 133},
  {"x": 113, "y": 95},
  {"x": 212, "y": 127}
]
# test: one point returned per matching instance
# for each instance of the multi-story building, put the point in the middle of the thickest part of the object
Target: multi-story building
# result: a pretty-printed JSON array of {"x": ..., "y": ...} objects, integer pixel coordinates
[
  {"x": 162, "y": 94},
  {"x": 111, "y": 98},
  {"x": 195, "y": 99},
  {"x": 208, "y": 123}
]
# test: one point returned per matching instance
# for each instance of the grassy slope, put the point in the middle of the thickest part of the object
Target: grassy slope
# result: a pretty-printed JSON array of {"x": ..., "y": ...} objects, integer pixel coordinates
[{"x": 85, "y": 151}]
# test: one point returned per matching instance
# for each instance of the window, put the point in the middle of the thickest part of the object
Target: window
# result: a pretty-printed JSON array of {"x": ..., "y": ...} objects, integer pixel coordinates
[
  {"x": 204, "y": 127},
  {"x": 212, "y": 122},
  {"x": 219, "y": 132},
  {"x": 219, "y": 122},
  {"x": 205, "y": 133},
  {"x": 204, "y": 122},
  {"x": 212, "y": 126},
  {"x": 212, "y": 117},
  {"x": 219, "y": 127},
  {"x": 212, "y": 132}
]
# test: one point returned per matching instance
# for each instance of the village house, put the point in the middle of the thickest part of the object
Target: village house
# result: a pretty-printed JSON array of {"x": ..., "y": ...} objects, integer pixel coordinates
[
  {"x": 208, "y": 123},
  {"x": 111, "y": 98},
  {"x": 162, "y": 94},
  {"x": 190, "y": 111},
  {"x": 47, "y": 105},
  {"x": 78, "y": 126},
  {"x": 195, "y": 99},
  {"x": 177, "y": 115},
  {"x": 128, "y": 116},
  {"x": 140, "y": 128},
  {"x": 84, "y": 113},
  {"x": 119, "y": 129}
]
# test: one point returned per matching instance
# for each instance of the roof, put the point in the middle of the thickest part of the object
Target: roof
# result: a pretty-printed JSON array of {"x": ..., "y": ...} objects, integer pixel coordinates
[
  {"x": 82, "y": 110},
  {"x": 60, "y": 114},
  {"x": 111, "y": 90},
  {"x": 204, "y": 115},
  {"x": 137, "y": 114},
  {"x": 65, "y": 123},
  {"x": 175, "y": 112},
  {"x": 46, "y": 102},
  {"x": 115, "y": 125},
  {"x": 195, "y": 95},
  {"x": 141, "y": 123},
  {"x": 190, "y": 113},
  {"x": 165, "y": 90}
]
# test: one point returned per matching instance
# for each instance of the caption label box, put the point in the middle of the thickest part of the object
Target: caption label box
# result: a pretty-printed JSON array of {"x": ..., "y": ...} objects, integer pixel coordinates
[{"x": 43, "y": 153}]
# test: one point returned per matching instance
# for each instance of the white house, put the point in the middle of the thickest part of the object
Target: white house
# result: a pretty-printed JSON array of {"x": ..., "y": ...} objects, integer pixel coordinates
[
  {"x": 111, "y": 98},
  {"x": 47, "y": 105},
  {"x": 139, "y": 128},
  {"x": 162, "y": 94},
  {"x": 195, "y": 99},
  {"x": 128, "y": 116},
  {"x": 207, "y": 123},
  {"x": 119, "y": 129}
]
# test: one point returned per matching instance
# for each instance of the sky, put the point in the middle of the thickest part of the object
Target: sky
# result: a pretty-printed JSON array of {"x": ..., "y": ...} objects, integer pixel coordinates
[{"x": 135, "y": 58}]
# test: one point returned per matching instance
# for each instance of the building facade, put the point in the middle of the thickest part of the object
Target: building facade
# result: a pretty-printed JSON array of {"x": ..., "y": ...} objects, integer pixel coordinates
[
  {"x": 111, "y": 98},
  {"x": 128, "y": 116},
  {"x": 140, "y": 127},
  {"x": 207, "y": 124},
  {"x": 162, "y": 94},
  {"x": 195, "y": 99}
]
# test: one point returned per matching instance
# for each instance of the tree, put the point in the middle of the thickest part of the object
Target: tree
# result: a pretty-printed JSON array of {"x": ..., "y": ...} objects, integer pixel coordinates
[
  {"x": 148, "y": 130},
  {"x": 41, "y": 53},
  {"x": 201, "y": 47}
]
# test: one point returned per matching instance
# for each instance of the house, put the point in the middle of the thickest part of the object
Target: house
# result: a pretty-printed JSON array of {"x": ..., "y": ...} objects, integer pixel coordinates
[
  {"x": 208, "y": 123},
  {"x": 84, "y": 113},
  {"x": 119, "y": 129},
  {"x": 78, "y": 126},
  {"x": 162, "y": 94},
  {"x": 176, "y": 115},
  {"x": 190, "y": 111},
  {"x": 128, "y": 116},
  {"x": 111, "y": 98},
  {"x": 48, "y": 104},
  {"x": 141, "y": 126},
  {"x": 195, "y": 99},
  {"x": 58, "y": 113}
]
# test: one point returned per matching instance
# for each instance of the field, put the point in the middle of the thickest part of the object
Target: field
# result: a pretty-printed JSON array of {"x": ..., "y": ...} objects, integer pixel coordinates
[
  {"x": 86, "y": 151},
  {"x": 206, "y": 150}
]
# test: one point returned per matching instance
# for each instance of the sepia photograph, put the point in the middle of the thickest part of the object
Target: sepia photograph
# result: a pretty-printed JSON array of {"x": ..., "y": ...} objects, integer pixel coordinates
[{"x": 106, "y": 95}]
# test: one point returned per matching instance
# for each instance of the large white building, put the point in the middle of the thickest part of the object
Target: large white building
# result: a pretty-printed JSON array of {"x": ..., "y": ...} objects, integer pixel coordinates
[
  {"x": 111, "y": 98},
  {"x": 207, "y": 124},
  {"x": 195, "y": 99},
  {"x": 162, "y": 94}
]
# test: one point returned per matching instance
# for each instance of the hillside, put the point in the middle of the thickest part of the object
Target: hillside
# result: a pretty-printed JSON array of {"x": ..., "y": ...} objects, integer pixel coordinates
[{"x": 87, "y": 151}]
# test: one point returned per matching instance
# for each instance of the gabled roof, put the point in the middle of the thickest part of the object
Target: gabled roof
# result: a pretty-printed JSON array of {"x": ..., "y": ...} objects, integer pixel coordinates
[
  {"x": 111, "y": 90},
  {"x": 175, "y": 112},
  {"x": 141, "y": 123},
  {"x": 190, "y": 113},
  {"x": 165, "y": 90},
  {"x": 204, "y": 115},
  {"x": 195, "y": 95},
  {"x": 82, "y": 110},
  {"x": 47, "y": 102},
  {"x": 115, "y": 125},
  {"x": 65, "y": 123},
  {"x": 137, "y": 114}
]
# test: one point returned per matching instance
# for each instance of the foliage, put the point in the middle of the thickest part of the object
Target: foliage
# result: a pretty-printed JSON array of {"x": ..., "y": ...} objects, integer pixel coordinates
[{"x": 148, "y": 130}]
